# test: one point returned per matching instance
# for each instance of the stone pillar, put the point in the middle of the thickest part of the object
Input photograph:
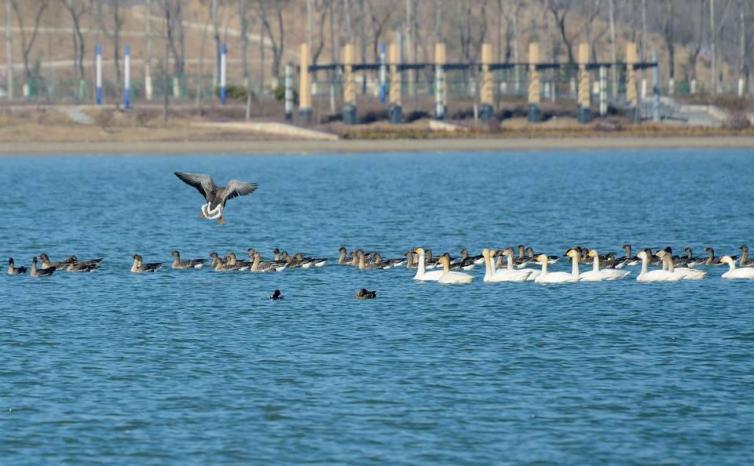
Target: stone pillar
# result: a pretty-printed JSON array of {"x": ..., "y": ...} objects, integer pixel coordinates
[
  {"x": 349, "y": 86},
  {"x": 288, "y": 109},
  {"x": 584, "y": 98},
  {"x": 535, "y": 114},
  {"x": 631, "y": 92},
  {"x": 487, "y": 109},
  {"x": 441, "y": 101},
  {"x": 395, "y": 109},
  {"x": 603, "y": 91},
  {"x": 304, "y": 86}
]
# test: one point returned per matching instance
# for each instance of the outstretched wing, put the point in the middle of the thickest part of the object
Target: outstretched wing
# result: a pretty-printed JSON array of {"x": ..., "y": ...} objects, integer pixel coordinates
[
  {"x": 203, "y": 183},
  {"x": 236, "y": 188}
]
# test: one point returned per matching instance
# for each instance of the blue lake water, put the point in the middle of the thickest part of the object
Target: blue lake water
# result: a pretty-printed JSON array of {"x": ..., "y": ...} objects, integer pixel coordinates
[{"x": 201, "y": 368}]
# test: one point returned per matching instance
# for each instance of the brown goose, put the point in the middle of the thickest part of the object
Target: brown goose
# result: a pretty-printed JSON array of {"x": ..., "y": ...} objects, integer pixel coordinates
[
  {"x": 140, "y": 267},
  {"x": 48, "y": 264},
  {"x": 35, "y": 272},
  {"x": 13, "y": 270},
  {"x": 216, "y": 196},
  {"x": 179, "y": 264}
]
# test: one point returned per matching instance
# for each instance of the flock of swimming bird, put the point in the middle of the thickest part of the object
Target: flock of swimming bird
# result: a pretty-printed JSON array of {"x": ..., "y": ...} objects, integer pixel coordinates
[{"x": 504, "y": 265}]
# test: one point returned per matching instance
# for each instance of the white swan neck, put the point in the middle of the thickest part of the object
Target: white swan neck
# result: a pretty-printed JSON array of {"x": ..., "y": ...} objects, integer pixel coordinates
[
  {"x": 420, "y": 268},
  {"x": 510, "y": 261},
  {"x": 574, "y": 266}
]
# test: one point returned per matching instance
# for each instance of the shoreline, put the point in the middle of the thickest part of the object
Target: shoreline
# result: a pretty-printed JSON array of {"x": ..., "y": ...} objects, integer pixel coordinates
[{"x": 344, "y": 146}]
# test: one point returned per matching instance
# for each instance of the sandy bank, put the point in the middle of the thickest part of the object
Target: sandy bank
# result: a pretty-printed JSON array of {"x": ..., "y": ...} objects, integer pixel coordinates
[{"x": 261, "y": 147}]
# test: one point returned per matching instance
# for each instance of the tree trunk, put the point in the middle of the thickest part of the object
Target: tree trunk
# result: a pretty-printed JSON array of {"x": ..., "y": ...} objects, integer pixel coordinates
[
  {"x": 8, "y": 51},
  {"x": 713, "y": 45},
  {"x": 613, "y": 48}
]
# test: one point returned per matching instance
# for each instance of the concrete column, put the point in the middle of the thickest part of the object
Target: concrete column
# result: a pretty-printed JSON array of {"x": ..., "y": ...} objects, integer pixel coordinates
[
  {"x": 304, "y": 86},
  {"x": 349, "y": 86},
  {"x": 603, "y": 91},
  {"x": 383, "y": 74},
  {"x": 223, "y": 71},
  {"x": 487, "y": 109},
  {"x": 441, "y": 101},
  {"x": 395, "y": 109},
  {"x": 535, "y": 114},
  {"x": 98, "y": 74},
  {"x": 631, "y": 95},
  {"x": 288, "y": 91},
  {"x": 584, "y": 98},
  {"x": 127, "y": 78}
]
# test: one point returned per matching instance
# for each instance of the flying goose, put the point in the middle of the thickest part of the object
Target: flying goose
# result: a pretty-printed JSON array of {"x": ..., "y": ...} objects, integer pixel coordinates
[{"x": 216, "y": 196}]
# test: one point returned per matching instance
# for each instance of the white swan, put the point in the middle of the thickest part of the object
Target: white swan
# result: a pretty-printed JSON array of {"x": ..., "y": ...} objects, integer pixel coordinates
[
  {"x": 599, "y": 275},
  {"x": 654, "y": 275},
  {"x": 559, "y": 277},
  {"x": 508, "y": 254},
  {"x": 686, "y": 273},
  {"x": 452, "y": 278},
  {"x": 735, "y": 274},
  {"x": 421, "y": 271},
  {"x": 505, "y": 275}
]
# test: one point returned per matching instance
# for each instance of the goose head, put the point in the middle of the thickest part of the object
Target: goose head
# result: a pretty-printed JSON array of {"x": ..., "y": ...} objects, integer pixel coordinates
[
  {"x": 627, "y": 249},
  {"x": 175, "y": 254},
  {"x": 521, "y": 250},
  {"x": 464, "y": 253},
  {"x": 251, "y": 252},
  {"x": 710, "y": 252},
  {"x": 744, "y": 249},
  {"x": 10, "y": 261},
  {"x": 44, "y": 257},
  {"x": 529, "y": 252}
]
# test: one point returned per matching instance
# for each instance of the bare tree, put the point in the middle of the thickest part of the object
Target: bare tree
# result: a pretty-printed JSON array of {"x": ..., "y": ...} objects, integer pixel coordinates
[
  {"x": 323, "y": 7},
  {"x": 113, "y": 35},
  {"x": 27, "y": 42},
  {"x": 560, "y": 10},
  {"x": 667, "y": 26},
  {"x": 695, "y": 48},
  {"x": 591, "y": 11},
  {"x": 275, "y": 33},
  {"x": 471, "y": 24},
  {"x": 76, "y": 10},
  {"x": 743, "y": 68},
  {"x": 380, "y": 18}
]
